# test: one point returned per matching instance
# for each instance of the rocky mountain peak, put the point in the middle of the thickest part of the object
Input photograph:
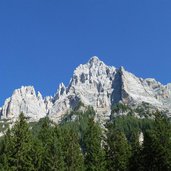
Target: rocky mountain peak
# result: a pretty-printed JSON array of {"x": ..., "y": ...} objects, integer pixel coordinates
[
  {"x": 24, "y": 90},
  {"x": 94, "y": 70},
  {"x": 94, "y": 84},
  {"x": 60, "y": 92},
  {"x": 24, "y": 100},
  {"x": 94, "y": 61}
]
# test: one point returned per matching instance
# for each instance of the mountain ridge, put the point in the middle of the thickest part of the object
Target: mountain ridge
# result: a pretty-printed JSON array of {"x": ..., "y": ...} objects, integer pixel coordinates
[{"x": 94, "y": 84}]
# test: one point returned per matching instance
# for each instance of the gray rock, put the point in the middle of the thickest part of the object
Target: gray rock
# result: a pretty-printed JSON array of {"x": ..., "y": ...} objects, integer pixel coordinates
[
  {"x": 24, "y": 100},
  {"x": 94, "y": 84}
]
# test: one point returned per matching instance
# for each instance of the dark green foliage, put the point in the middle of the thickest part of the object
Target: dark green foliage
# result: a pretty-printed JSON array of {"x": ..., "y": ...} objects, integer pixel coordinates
[
  {"x": 135, "y": 161},
  {"x": 130, "y": 125},
  {"x": 52, "y": 158},
  {"x": 157, "y": 145},
  {"x": 118, "y": 150},
  {"x": 93, "y": 150},
  {"x": 61, "y": 148},
  {"x": 143, "y": 110},
  {"x": 78, "y": 143},
  {"x": 36, "y": 154},
  {"x": 72, "y": 153},
  {"x": 80, "y": 123},
  {"x": 120, "y": 107},
  {"x": 5, "y": 146},
  {"x": 17, "y": 147}
]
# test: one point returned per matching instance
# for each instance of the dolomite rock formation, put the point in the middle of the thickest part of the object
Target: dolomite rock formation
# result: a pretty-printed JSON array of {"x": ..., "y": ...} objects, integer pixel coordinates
[
  {"x": 91, "y": 84},
  {"x": 94, "y": 84},
  {"x": 27, "y": 101}
]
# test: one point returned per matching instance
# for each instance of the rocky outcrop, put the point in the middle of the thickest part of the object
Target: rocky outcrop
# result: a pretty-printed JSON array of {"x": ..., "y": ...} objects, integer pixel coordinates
[
  {"x": 136, "y": 90},
  {"x": 27, "y": 101},
  {"x": 91, "y": 84},
  {"x": 94, "y": 84}
]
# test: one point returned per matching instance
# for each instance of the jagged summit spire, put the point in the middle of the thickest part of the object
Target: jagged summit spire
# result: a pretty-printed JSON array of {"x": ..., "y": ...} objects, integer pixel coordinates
[{"x": 94, "y": 60}]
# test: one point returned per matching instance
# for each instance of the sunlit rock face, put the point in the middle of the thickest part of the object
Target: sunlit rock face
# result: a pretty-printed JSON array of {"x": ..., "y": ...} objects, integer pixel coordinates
[
  {"x": 91, "y": 84},
  {"x": 94, "y": 84},
  {"x": 102, "y": 86},
  {"x": 27, "y": 101}
]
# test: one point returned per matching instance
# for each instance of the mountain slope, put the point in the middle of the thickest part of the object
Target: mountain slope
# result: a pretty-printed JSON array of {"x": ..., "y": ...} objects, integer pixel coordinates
[{"x": 94, "y": 84}]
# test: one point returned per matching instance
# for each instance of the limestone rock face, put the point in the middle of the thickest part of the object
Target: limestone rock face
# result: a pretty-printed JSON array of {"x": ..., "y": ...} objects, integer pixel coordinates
[
  {"x": 24, "y": 100},
  {"x": 137, "y": 90},
  {"x": 102, "y": 86},
  {"x": 91, "y": 84},
  {"x": 94, "y": 84}
]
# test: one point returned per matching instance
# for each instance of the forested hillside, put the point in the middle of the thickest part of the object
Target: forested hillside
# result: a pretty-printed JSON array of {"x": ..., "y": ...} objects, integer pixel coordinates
[{"x": 82, "y": 144}]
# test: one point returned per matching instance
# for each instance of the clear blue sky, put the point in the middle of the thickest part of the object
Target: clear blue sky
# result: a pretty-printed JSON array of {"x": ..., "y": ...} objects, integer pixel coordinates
[{"x": 42, "y": 41}]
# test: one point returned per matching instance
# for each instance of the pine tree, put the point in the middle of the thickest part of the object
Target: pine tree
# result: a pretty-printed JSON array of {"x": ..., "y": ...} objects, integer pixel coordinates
[
  {"x": 17, "y": 147},
  {"x": 36, "y": 153},
  {"x": 52, "y": 158},
  {"x": 117, "y": 150},
  {"x": 93, "y": 150},
  {"x": 156, "y": 146},
  {"x": 135, "y": 162},
  {"x": 73, "y": 156},
  {"x": 5, "y": 145},
  {"x": 57, "y": 150}
]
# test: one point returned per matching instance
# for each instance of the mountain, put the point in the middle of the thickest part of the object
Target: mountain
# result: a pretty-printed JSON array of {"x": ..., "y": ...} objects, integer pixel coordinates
[
  {"x": 93, "y": 84},
  {"x": 24, "y": 100}
]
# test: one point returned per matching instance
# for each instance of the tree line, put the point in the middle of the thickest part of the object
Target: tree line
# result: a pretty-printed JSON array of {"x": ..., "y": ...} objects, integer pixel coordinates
[{"x": 83, "y": 145}]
